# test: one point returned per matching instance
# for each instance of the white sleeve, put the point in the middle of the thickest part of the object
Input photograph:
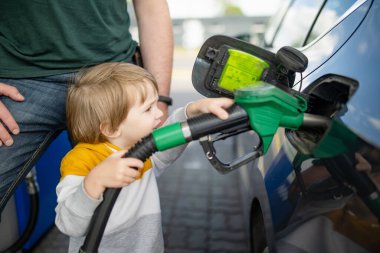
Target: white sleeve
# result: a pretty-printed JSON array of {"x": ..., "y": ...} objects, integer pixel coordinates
[
  {"x": 163, "y": 159},
  {"x": 75, "y": 208}
]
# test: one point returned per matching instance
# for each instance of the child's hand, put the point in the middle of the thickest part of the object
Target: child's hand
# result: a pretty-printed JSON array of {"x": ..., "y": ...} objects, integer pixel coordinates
[
  {"x": 215, "y": 106},
  {"x": 113, "y": 172}
]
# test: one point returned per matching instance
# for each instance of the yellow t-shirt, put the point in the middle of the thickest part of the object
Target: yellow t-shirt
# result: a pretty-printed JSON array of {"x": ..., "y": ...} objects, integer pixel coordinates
[{"x": 84, "y": 157}]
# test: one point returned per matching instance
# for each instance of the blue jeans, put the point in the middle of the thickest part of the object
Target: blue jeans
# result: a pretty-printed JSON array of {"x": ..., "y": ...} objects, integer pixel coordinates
[{"x": 41, "y": 117}]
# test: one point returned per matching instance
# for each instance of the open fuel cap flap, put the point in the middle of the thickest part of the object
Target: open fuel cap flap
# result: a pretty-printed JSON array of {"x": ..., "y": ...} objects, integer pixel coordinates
[{"x": 225, "y": 64}]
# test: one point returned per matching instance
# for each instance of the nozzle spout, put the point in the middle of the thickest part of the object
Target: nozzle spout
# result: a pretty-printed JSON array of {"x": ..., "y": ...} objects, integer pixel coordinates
[{"x": 313, "y": 120}]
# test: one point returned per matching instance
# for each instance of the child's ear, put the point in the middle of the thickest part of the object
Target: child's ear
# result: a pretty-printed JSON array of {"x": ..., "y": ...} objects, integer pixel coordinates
[{"x": 106, "y": 130}]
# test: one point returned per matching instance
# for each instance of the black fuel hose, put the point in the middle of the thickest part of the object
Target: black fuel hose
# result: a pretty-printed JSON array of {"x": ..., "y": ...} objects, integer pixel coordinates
[{"x": 192, "y": 129}]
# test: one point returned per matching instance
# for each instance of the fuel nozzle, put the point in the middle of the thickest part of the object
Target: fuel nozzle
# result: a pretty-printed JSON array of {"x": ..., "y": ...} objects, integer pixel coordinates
[{"x": 268, "y": 108}]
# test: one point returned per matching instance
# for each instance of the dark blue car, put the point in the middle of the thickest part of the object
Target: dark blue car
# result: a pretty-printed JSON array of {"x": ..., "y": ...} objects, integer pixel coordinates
[{"x": 318, "y": 191}]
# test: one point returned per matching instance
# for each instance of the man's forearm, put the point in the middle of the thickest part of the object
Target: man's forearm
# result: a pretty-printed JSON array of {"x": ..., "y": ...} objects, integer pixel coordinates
[{"x": 156, "y": 40}]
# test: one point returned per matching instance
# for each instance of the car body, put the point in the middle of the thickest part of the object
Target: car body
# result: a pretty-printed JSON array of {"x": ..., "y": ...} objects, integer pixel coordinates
[{"x": 317, "y": 191}]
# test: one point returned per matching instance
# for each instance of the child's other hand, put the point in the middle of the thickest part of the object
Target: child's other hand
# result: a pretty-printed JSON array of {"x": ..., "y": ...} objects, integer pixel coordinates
[
  {"x": 215, "y": 106},
  {"x": 113, "y": 172}
]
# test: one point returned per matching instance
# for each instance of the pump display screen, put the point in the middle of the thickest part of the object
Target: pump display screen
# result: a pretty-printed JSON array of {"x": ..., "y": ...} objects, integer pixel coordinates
[{"x": 241, "y": 70}]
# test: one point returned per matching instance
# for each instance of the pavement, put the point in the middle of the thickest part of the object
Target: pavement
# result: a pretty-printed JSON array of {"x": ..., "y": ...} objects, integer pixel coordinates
[{"x": 201, "y": 209}]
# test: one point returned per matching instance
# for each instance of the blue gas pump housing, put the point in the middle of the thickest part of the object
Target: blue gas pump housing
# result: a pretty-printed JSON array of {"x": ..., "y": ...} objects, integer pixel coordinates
[{"x": 48, "y": 175}]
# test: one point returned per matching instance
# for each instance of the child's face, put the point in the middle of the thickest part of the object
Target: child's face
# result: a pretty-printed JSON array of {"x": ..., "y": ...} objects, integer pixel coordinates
[{"x": 141, "y": 120}]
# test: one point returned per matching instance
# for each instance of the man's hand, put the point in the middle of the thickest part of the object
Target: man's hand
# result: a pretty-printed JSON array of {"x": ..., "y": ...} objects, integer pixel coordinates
[{"x": 8, "y": 124}]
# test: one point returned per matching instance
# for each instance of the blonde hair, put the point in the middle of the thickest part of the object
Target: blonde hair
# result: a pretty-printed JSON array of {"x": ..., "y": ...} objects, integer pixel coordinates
[{"x": 103, "y": 94}]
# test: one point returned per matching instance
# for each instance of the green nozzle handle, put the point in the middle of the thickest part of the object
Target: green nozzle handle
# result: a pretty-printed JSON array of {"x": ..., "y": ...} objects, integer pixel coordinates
[{"x": 269, "y": 108}]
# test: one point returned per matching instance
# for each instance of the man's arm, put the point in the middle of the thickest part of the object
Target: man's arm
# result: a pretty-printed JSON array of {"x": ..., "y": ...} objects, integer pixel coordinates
[{"x": 156, "y": 43}]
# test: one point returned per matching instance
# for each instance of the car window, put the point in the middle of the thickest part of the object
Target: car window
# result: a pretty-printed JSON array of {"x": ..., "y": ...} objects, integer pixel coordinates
[
  {"x": 296, "y": 24},
  {"x": 274, "y": 23},
  {"x": 329, "y": 15}
]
